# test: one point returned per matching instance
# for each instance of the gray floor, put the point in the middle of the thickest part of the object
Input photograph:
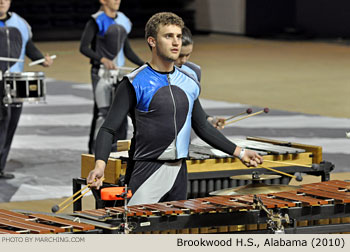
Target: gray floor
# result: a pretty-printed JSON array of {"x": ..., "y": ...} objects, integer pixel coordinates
[{"x": 51, "y": 137}]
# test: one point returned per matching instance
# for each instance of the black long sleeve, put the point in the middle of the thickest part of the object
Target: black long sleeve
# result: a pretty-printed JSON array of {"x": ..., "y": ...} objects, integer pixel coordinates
[
  {"x": 130, "y": 54},
  {"x": 207, "y": 132},
  {"x": 124, "y": 102},
  {"x": 87, "y": 42},
  {"x": 32, "y": 51}
]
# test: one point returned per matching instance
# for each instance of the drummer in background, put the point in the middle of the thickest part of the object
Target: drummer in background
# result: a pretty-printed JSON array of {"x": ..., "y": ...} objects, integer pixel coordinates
[
  {"x": 105, "y": 42},
  {"x": 15, "y": 42},
  {"x": 193, "y": 69}
]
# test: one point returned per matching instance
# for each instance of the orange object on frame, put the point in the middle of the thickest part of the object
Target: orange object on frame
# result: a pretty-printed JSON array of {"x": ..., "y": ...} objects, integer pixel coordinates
[{"x": 114, "y": 193}]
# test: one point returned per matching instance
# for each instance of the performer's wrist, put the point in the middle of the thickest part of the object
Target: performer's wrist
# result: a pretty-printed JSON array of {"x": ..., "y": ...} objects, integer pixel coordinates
[{"x": 241, "y": 153}]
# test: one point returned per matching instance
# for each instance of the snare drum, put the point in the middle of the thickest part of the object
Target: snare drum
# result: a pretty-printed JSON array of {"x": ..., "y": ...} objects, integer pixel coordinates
[{"x": 25, "y": 86}]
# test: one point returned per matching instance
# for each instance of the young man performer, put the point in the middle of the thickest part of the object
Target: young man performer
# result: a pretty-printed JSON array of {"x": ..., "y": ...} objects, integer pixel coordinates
[
  {"x": 105, "y": 42},
  {"x": 163, "y": 103},
  {"x": 15, "y": 42}
]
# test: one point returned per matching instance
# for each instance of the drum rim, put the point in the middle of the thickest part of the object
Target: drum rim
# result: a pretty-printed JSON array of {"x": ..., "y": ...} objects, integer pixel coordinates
[
  {"x": 24, "y": 74},
  {"x": 29, "y": 99}
]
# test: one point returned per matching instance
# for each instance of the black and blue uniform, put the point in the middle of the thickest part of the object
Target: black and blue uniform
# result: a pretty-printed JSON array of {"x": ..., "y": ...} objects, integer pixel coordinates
[
  {"x": 107, "y": 37},
  {"x": 15, "y": 42},
  {"x": 163, "y": 108}
]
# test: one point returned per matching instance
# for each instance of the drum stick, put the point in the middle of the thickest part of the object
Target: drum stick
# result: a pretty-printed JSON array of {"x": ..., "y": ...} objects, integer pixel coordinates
[
  {"x": 286, "y": 163},
  {"x": 11, "y": 59},
  {"x": 126, "y": 68},
  {"x": 40, "y": 61},
  {"x": 118, "y": 68},
  {"x": 248, "y": 111},
  {"x": 265, "y": 110},
  {"x": 277, "y": 171}
]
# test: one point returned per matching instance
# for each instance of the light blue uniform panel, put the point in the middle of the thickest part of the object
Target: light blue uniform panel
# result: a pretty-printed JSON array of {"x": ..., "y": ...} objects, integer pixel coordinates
[
  {"x": 25, "y": 30},
  {"x": 126, "y": 23},
  {"x": 191, "y": 87}
]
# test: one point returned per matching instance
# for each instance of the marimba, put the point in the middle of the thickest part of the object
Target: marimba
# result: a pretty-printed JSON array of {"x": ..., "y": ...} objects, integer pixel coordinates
[
  {"x": 210, "y": 170},
  {"x": 39, "y": 223},
  {"x": 313, "y": 208}
]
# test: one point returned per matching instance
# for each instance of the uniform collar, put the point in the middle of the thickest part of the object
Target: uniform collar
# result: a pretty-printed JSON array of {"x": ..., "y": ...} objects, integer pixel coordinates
[
  {"x": 172, "y": 71},
  {"x": 8, "y": 15}
]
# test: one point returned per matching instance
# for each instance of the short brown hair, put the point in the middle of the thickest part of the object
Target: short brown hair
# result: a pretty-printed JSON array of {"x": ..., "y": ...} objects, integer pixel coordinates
[{"x": 161, "y": 18}]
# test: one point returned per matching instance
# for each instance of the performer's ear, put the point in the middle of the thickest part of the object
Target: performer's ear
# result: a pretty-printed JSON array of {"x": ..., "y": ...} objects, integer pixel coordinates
[{"x": 151, "y": 41}]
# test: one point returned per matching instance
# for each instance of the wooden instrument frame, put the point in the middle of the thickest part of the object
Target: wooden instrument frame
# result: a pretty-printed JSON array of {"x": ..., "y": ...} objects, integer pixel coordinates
[{"x": 116, "y": 167}]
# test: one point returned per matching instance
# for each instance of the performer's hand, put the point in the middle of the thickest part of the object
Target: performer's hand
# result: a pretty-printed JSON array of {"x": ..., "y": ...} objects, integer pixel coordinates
[
  {"x": 96, "y": 175},
  {"x": 217, "y": 122},
  {"x": 108, "y": 63},
  {"x": 248, "y": 157},
  {"x": 48, "y": 61}
]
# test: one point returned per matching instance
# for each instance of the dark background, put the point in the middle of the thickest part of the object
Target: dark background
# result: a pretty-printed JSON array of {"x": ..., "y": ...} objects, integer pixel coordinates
[
  {"x": 289, "y": 19},
  {"x": 65, "y": 19}
]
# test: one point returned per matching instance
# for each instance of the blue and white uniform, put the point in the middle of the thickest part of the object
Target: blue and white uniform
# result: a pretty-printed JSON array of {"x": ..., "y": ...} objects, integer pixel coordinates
[
  {"x": 15, "y": 42},
  {"x": 163, "y": 98},
  {"x": 106, "y": 37},
  {"x": 110, "y": 38},
  {"x": 112, "y": 32},
  {"x": 163, "y": 108},
  {"x": 19, "y": 32}
]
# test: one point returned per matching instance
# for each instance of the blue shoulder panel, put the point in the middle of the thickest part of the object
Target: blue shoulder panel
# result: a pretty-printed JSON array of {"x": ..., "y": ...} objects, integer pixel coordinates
[
  {"x": 146, "y": 83},
  {"x": 103, "y": 22}
]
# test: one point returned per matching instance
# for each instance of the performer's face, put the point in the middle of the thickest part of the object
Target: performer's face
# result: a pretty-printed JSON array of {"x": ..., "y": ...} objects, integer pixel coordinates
[
  {"x": 168, "y": 42},
  {"x": 111, "y": 4},
  {"x": 184, "y": 55},
  {"x": 4, "y": 7}
]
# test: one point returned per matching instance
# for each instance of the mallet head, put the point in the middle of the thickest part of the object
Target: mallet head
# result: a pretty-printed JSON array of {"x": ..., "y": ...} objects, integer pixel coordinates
[
  {"x": 298, "y": 177},
  {"x": 55, "y": 208}
]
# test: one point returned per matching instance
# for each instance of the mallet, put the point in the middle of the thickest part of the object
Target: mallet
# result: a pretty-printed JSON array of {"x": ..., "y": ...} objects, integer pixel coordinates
[
  {"x": 265, "y": 110},
  {"x": 248, "y": 111},
  {"x": 58, "y": 208}
]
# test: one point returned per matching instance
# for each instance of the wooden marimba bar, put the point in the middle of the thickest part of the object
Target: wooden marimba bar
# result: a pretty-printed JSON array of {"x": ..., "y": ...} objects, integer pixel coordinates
[
  {"x": 319, "y": 207},
  {"x": 18, "y": 223}
]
